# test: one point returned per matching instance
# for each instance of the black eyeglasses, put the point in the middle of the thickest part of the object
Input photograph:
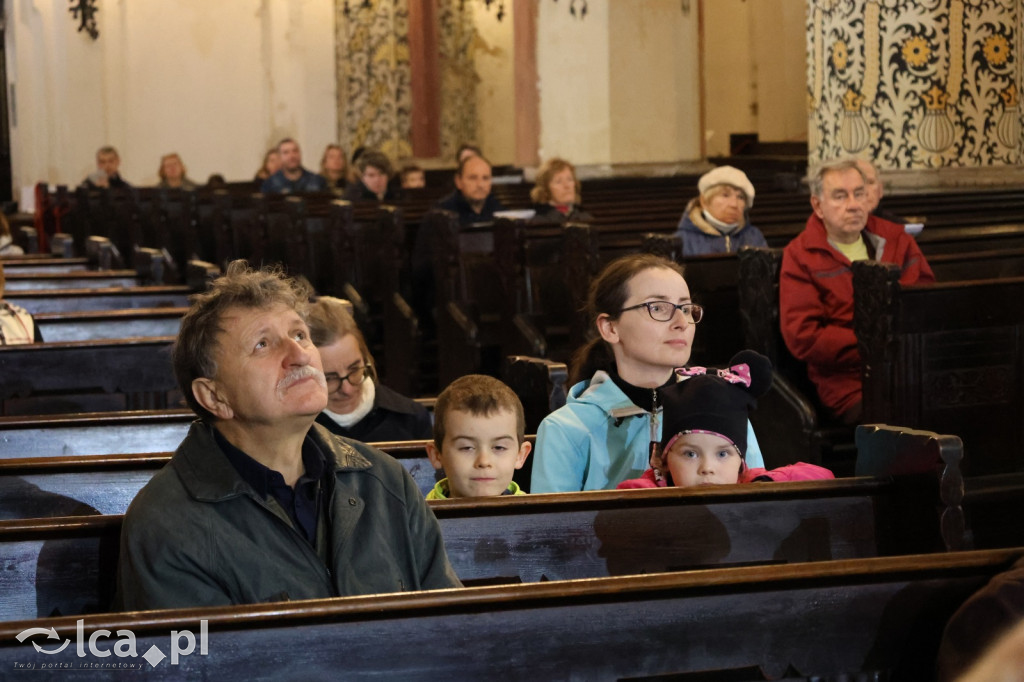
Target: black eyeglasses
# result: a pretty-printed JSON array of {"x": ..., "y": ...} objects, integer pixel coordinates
[
  {"x": 355, "y": 377},
  {"x": 664, "y": 311}
]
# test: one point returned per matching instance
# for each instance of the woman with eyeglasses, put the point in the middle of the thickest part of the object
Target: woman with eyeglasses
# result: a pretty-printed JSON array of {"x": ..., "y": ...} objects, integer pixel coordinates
[
  {"x": 359, "y": 407},
  {"x": 645, "y": 320}
]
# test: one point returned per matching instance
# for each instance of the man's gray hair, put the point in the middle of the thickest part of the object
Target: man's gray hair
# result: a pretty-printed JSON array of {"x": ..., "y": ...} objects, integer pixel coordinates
[{"x": 816, "y": 174}]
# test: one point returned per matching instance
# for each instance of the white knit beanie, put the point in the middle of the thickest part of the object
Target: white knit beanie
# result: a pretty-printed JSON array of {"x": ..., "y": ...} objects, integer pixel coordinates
[{"x": 727, "y": 175}]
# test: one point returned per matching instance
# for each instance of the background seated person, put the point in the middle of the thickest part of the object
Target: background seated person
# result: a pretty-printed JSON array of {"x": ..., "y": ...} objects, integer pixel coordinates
[
  {"x": 413, "y": 177},
  {"x": 374, "y": 179},
  {"x": 292, "y": 177},
  {"x": 172, "y": 173},
  {"x": 108, "y": 163},
  {"x": 16, "y": 324},
  {"x": 271, "y": 164},
  {"x": 334, "y": 167},
  {"x": 875, "y": 192},
  {"x": 472, "y": 200},
  {"x": 259, "y": 503},
  {"x": 816, "y": 281},
  {"x": 479, "y": 439},
  {"x": 465, "y": 151},
  {"x": 358, "y": 406},
  {"x": 7, "y": 245},
  {"x": 716, "y": 221},
  {"x": 987, "y": 615},
  {"x": 704, "y": 439},
  {"x": 556, "y": 193}
]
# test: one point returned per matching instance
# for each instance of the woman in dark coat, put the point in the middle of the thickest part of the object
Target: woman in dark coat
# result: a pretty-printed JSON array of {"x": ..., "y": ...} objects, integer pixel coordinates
[
  {"x": 358, "y": 406},
  {"x": 556, "y": 194}
]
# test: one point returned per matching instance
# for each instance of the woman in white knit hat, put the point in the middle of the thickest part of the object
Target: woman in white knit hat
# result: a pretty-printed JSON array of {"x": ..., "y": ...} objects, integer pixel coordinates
[{"x": 716, "y": 221}]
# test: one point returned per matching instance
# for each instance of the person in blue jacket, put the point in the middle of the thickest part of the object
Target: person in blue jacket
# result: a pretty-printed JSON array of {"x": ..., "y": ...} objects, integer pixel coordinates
[
  {"x": 717, "y": 220},
  {"x": 645, "y": 322}
]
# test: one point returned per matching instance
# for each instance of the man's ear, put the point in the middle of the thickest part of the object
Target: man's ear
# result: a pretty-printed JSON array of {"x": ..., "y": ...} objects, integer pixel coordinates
[
  {"x": 816, "y": 205},
  {"x": 524, "y": 452},
  {"x": 434, "y": 454},
  {"x": 607, "y": 328},
  {"x": 209, "y": 396}
]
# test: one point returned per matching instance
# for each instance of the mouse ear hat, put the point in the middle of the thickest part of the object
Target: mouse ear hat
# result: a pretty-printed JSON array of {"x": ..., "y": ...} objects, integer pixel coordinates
[{"x": 717, "y": 401}]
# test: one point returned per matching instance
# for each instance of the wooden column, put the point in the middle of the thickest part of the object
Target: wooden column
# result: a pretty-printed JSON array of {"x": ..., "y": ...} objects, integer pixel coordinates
[
  {"x": 524, "y": 39},
  {"x": 426, "y": 79}
]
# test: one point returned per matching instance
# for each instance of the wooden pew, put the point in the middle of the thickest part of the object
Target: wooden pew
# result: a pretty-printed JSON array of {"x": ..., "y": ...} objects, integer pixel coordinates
[
  {"x": 35, "y": 264},
  {"x": 91, "y": 325},
  {"x": 87, "y": 279},
  {"x": 947, "y": 355},
  {"x": 87, "y": 375},
  {"x": 566, "y": 535},
  {"x": 94, "y": 433},
  {"x": 100, "y": 433},
  {"x": 68, "y": 300},
  {"x": 879, "y": 618},
  {"x": 106, "y": 484},
  {"x": 972, "y": 214},
  {"x": 491, "y": 301}
]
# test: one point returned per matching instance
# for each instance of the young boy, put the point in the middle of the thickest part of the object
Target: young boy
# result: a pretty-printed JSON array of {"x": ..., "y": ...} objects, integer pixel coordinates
[
  {"x": 479, "y": 439},
  {"x": 704, "y": 438},
  {"x": 413, "y": 177}
]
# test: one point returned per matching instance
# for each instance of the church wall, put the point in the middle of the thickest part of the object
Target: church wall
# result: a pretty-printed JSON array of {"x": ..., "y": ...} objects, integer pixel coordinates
[
  {"x": 754, "y": 71},
  {"x": 729, "y": 77},
  {"x": 496, "y": 104},
  {"x": 217, "y": 82},
  {"x": 655, "y": 111},
  {"x": 780, "y": 75},
  {"x": 574, "y": 72}
]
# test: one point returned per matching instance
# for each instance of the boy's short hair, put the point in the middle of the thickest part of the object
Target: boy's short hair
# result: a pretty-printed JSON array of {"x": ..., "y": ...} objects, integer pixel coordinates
[
  {"x": 377, "y": 159},
  {"x": 409, "y": 169},
  {"x": 481, "y": 396}
]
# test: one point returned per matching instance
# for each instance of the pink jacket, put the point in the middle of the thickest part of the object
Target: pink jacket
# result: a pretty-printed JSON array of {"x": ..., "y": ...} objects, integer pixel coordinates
[
  {"x": 801, "y": 471},
  {"x": 816, "y": 303}
]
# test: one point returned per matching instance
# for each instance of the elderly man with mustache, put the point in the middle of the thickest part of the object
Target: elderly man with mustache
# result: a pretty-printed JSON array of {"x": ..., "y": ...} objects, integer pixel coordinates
[{"x": 259, "y": 503}]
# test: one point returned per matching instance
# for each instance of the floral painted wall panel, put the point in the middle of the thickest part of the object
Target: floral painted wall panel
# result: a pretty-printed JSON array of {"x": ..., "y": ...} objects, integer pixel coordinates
[
  {"x": 457, "y": 40},
  {"x": 916, "y": 83},
  {"x": 374, "y": 95}
]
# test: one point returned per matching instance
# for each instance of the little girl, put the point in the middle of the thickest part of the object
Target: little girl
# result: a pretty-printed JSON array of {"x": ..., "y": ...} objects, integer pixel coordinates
[{"x": 704, "y": 438}]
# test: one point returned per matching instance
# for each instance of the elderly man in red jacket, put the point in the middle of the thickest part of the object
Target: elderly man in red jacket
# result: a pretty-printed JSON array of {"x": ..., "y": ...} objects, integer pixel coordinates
[{"x": 816, "y": 282}]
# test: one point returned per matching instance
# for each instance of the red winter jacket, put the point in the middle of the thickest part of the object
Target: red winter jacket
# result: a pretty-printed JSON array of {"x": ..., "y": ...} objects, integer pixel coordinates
[
  {"x": 816, "y": 303},
  {"x": 800, "y": 471}
]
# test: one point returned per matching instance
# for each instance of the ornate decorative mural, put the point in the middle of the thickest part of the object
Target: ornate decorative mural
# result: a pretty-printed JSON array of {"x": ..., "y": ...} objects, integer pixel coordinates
[
  {"x": 374, "y": 75},
  {"x": 916, "y": 83},
  {"x": 457, "y": 41},
  {"x": 374, "y": 97}
]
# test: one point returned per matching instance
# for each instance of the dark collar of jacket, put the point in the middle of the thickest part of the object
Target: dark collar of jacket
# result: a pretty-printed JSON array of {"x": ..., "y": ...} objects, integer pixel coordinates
[
  {"x": 208, "y": 476},
  {"x": 456, "y": 201}
]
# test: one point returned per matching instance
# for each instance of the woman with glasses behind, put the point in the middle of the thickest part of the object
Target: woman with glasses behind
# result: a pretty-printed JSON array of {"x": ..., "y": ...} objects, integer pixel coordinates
[
  {"x": 357, "y": 406},
  {"x": 643, "y": 323}
]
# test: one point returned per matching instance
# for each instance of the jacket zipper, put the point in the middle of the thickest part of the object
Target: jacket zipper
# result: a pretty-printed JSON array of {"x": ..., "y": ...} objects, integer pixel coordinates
[{"x": 654, "y": 445}]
